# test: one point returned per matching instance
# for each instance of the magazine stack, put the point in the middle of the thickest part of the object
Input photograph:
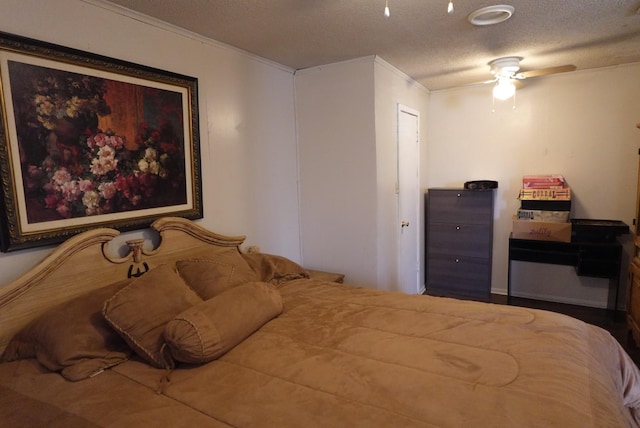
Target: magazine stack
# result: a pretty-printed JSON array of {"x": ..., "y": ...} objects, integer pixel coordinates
[{"x": 545, "y": 207}]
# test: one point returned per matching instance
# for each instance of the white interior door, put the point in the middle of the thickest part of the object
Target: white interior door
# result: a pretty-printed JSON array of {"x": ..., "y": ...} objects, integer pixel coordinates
[{"x": 408, "y": 198}]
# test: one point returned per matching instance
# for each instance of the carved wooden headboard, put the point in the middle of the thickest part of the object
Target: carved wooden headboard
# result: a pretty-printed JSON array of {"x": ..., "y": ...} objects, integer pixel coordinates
[{"x": 83, "y": 263}]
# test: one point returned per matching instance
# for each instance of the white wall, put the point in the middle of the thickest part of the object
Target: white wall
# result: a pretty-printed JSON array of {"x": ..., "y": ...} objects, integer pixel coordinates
[
  {"x": 247, "y": 123},
  {"x": 393, "y": 87},
  {"x": 347, "y": 134},
  {"x": 337, "y": 151},
  {"x": 579, "y": 124}
]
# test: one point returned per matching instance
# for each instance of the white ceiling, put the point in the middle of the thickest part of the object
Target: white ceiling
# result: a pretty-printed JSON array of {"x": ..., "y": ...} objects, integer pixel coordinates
[{"x": 434, "y": 48}]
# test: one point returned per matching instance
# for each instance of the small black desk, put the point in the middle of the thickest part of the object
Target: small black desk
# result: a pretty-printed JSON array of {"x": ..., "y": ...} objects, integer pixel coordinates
[{"x": 594, "y": 259}]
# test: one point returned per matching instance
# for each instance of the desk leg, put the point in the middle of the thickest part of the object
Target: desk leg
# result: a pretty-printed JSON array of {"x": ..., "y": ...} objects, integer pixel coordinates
[
  {"x": 614, "y": 286},
  {"x": 614, "y": 295}
]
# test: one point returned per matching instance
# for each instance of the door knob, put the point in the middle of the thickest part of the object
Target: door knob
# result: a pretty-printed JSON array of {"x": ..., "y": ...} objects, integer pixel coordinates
[{"x": 404, "y": 224}]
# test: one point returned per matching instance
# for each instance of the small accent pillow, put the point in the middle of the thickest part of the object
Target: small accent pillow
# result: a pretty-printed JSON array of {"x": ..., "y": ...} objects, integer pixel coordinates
[
  {"x": 73, "y": 337},
  {"x": 212, "y": 328},
  {"x": 220, "y": 272},
  {"x": 140, "y": 311},
  {"x": 275, "y": 269}
]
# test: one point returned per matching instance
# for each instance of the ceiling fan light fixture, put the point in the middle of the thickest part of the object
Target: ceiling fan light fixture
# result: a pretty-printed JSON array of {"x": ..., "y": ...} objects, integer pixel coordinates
[
  {"x": 504, "y": 89},
  {"x": 491, "y": 15},
  {"x": 505, "y": 67}
]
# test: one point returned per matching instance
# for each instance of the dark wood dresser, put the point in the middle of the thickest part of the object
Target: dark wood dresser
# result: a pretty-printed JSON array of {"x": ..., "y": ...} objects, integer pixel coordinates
[
  {"x": 459, "y": 243},
  {"x": 633, "y": 285}
]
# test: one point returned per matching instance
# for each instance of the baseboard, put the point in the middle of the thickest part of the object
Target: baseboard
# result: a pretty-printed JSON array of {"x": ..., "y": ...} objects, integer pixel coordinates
[{"x": 566, "y": 300}]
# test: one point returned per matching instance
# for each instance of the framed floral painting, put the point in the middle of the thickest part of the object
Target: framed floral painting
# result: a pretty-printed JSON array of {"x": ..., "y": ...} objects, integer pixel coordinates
[{"x": 89, "y": 141}]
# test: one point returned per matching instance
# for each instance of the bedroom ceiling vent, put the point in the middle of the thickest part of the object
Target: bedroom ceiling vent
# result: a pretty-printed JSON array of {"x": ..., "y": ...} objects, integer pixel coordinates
[{"x": 491, "y": 15}]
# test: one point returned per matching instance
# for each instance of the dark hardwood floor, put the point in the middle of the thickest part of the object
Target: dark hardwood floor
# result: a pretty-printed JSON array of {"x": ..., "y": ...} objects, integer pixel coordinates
[{"x": 601, "y": 317}]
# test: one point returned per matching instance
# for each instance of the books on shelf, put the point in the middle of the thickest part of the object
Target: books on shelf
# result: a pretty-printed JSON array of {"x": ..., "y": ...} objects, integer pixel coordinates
[
  {"x": 543, "y": 215},
  {"x": 563, "y": 194},
  {"x": 547, "y": 181},
  {"x": 545, "y": 206}
]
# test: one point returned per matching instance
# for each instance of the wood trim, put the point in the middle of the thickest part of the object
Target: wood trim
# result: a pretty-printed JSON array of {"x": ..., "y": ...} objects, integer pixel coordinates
[{"x": 85, "y": 262}]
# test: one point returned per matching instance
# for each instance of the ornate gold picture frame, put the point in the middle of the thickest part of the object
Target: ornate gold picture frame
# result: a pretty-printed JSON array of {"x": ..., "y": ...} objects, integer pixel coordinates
[{"x": 89, "y": 141}]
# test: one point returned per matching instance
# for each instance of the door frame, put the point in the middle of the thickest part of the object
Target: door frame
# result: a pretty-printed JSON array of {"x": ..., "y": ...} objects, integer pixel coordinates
[{"x": 403, "y": 109}]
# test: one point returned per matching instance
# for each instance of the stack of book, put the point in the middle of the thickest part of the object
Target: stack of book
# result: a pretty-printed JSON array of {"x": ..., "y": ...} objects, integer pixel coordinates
[{"x": 545, "y": 206}]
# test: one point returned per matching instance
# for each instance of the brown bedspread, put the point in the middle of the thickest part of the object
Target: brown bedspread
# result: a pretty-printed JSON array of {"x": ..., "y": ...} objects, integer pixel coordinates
[{"x": 344, "y": 356}]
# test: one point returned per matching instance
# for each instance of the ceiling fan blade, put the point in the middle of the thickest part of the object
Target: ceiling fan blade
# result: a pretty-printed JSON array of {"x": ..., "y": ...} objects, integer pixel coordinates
[
  {"x": 485, "y": 82},
  {"x": 494, "y": 80},
  {"x": 546, "y": 71},
  {"x": 519, "y": 84}
]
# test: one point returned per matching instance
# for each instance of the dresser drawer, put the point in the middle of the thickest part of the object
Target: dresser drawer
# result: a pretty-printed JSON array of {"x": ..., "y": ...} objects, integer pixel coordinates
[
  {"x": 459, "y": 206},
  {"x": 458, "y": 276},
  {"x": 460, "y": 239}
]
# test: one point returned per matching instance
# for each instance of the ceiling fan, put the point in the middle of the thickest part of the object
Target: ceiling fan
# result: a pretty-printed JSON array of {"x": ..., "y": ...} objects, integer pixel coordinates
[{"x": 506, "y": 71}]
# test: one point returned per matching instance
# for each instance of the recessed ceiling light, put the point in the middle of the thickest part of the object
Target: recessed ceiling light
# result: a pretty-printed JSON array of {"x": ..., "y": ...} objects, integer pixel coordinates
[{"x": 491, "y": 14}]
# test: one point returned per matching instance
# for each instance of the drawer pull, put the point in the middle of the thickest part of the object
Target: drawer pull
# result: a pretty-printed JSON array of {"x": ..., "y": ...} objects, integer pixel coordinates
[
  {"x": 457, "y": 260},
  {"x": 459, "y": 194},
  {"x": 457, "y": 227}
]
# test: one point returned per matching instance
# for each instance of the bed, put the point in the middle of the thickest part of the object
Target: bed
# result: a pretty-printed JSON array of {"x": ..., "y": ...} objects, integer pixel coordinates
[{"x": 194, "y": 333}]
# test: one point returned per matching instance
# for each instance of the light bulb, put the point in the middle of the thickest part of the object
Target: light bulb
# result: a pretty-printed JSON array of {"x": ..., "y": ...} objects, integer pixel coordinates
[
  {"x": 504, "y": 89},
  {"x": 386, "y": 10},
  {"x": 450, "y": 7}
]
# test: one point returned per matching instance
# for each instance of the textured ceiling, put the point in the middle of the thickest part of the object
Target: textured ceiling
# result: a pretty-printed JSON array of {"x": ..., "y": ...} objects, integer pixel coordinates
[{"x": 436, "y": 49}]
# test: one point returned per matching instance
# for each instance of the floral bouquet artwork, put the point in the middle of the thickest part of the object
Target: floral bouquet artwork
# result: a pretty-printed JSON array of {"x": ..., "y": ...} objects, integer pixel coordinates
[
  {"x": 90, "y": 146},
  {"x": 91, "y": 141}
]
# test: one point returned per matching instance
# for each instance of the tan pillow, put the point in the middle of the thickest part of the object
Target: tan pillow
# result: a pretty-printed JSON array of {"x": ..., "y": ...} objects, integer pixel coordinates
[
  {"x": 73, "y": 337},
  {"x": 140, "y": 311},
  {"x": 210, "y": 277},
  {"x": 274, "y": 269},
  {"x": 212, "y": 328}
]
